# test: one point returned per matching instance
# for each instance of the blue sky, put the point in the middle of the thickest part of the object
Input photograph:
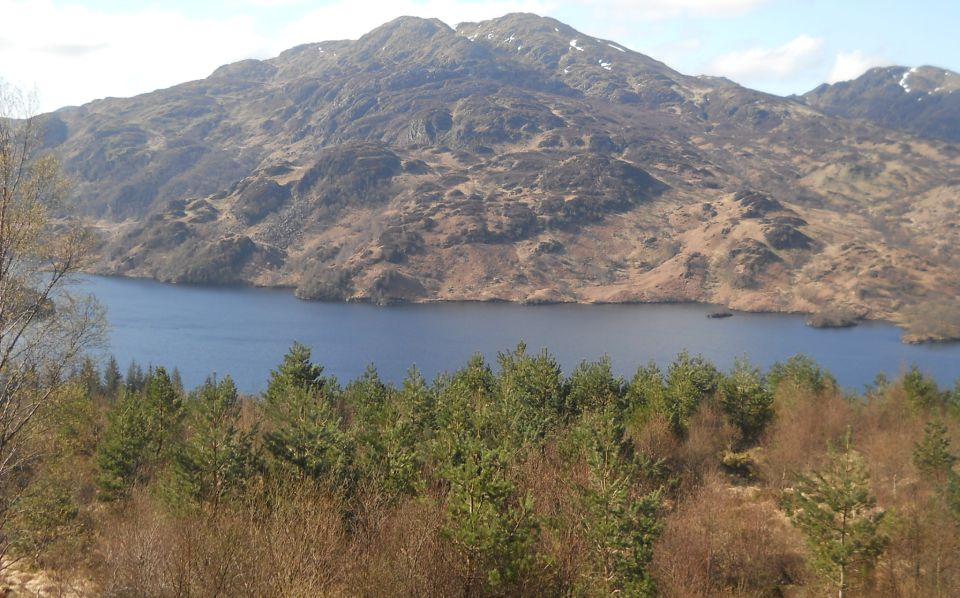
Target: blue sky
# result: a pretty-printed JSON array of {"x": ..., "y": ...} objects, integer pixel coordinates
[{"x": 73, "y": 51}]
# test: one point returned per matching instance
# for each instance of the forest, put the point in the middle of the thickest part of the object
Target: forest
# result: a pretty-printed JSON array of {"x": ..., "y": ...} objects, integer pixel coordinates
[{"x": 499, "y": 479}]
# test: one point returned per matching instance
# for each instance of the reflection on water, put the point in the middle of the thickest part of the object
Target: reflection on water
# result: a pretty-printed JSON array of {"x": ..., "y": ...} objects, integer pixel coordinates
[{"x": 244, "y": 332}]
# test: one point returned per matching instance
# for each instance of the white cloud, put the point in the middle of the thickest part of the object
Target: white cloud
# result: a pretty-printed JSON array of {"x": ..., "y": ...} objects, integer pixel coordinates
[
  {"x": 668, "y": 9},
  {"x": 769, "y": 64},
  {"x": 72, "y": 54},
  {"x": 850, "y": 65}
]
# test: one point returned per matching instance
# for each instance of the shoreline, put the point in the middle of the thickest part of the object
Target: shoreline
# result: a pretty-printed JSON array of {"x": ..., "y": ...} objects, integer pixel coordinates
[{"x": 905, "y": 337}]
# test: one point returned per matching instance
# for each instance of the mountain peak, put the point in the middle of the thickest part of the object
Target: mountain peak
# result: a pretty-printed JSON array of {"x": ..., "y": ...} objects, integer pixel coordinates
[{"x": 924, "y": 100}]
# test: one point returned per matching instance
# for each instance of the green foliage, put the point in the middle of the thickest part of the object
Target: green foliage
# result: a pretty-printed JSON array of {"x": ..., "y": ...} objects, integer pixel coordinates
[
  {"x": 122, "y": 452},
  {"x": 932, "y": 454},
  {"x": 135, "y": 379},
  {"x": 112, "y": 378},
  {"x": 593, "y": 387},
  {"x": 305, "y": 432},
  {"x": 921, "y": 390},
  {"x": 492, "y": 526},
  {"x": 44, "y": 514},
  {"x": 163, "y": 411},
  {"x": 953, "y": 496},
  {"x": 801, "y": 372},
  {"x": 620, "y": 523},
  {"x": 747, "y": 401},
  {"x": 690, "y": 380},
  {"x": 296, "y": 371},
  {"x": 532, "y": 394},
  {"x": 836, "y": 512},
  {"x": 143, "y": 431},
  {"x": 388, "y": 431},
  {"x": 217, "y": 456},
  {"x": 646, "y": 393}
]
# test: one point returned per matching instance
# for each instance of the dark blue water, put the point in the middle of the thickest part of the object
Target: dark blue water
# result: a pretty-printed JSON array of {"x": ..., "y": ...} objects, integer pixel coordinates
[{"x": 245, "y": 332}]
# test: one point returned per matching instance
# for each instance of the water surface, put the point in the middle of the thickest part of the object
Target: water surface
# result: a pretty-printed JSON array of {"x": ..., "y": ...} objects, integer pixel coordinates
[{"x": 244, "y": 332}]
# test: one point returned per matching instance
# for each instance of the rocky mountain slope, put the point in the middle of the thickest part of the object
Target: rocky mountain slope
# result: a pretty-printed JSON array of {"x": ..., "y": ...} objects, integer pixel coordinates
[
  {"x": 516, "y": 159},
  {"x": 920, "y": 100}
]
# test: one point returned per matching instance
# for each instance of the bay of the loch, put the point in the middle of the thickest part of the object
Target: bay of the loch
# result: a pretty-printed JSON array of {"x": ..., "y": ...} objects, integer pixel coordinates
[{"x": 244, "y": 332}]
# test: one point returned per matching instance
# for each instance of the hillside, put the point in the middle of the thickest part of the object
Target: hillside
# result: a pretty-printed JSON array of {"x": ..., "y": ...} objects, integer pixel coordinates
[
  {"x": 919, "y": 100},
  {"x": 516, "y": 159}
]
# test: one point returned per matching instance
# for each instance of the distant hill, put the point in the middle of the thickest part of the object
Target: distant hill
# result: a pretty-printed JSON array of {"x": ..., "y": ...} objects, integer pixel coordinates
[
  {"x": 920, "y": 100},
  {"x": 517, "y": 159}
]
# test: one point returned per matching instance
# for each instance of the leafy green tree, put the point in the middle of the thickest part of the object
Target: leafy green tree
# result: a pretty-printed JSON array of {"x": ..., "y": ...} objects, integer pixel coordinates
[
  {"x": 932, "y": 454},
  {"x": 747, "y": 401},
  {"x": 921, "y": 390},
  {"x": 690, "y": 380},
  {"x": 839, "y": 517},
  {"x": 620, "y": 523},
  {"x": 217, "y": 456},
  {"x": 305, "y": 432}
]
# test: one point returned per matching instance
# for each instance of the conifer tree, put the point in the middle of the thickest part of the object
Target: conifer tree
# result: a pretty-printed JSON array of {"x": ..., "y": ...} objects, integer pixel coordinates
[
  {"x": 492, "y": 525},
  {"x": 163, "y": 411},
  {"x": 932, "y": 454},
  {"x": 135, "y": 379},
  {"x": 690, "y": 380},
  {"x": 621, "y": 523},
  {"x": 922, "y": 391},
  {"x": 646, "y": 391},
  {"x": 531, "y": 394},
  {"x": 836, "y": 512},
  {"x": 112, "y": 378},
  {"x": 305, "y": 432},
  {"x": 747, "y": 401},
  {"x": 122, "y": 452},
  {"x": 593, "y": 387},
  {"x": 217, "y": 456},
  {"x": 801, "y": 372}
]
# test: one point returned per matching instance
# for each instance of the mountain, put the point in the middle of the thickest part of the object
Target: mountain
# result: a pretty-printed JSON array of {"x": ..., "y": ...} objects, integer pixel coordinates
[
  {"x": 920, "y": 100},
  {"x": 516, "y": 159}
]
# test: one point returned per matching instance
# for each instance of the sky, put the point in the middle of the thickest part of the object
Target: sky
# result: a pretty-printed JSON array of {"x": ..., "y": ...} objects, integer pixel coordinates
[{"x": 70, "y": 52}]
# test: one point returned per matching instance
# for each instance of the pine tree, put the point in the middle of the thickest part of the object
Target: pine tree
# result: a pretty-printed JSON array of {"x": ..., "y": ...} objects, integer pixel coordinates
[
  {"x": 218, "y": 456},
  {"x": 90, "y": 378},
  {"x": 922, "y": 391},
  {"x": 135, "y": 379},
  {"x": 305, "y": 431},
  {"x": 621, "y": 523},
  {"x": 801, "y": 372},
  {"x": 836, "y": 512},
  {"x": 932, "y": 454},
  {"x": 645, "y": 393},
  {"x": 690, "y": 380},
  {"x": 492, "y": 525},
  {"x": 163, "y": 411},
  {"x": 112, "y": 378},
  {"x": 594, "y": 387},
  {"x": 747, "y": 401},
  {"x": 531, "y": 394},
  {"x": 122, "y": 452}
]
